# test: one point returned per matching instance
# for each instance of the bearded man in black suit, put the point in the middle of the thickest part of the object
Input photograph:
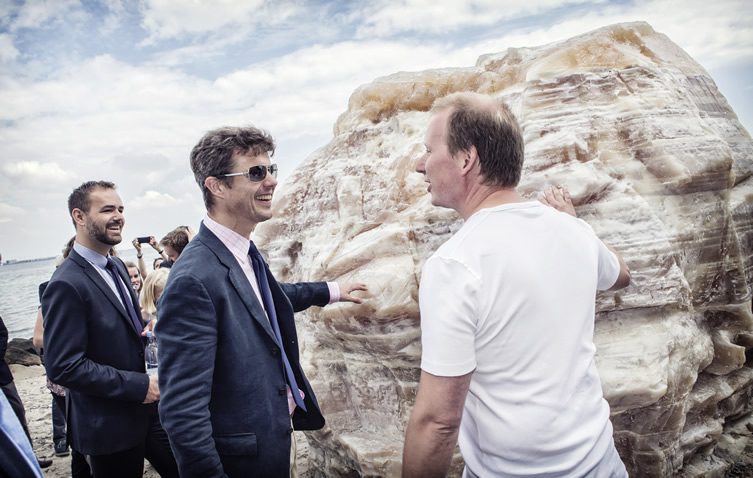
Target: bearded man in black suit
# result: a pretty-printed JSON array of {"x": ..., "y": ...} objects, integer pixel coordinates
[{"x": 95, "y": 349}]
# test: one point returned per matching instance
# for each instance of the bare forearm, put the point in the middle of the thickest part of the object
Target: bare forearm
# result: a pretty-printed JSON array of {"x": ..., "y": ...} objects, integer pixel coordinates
[
  {"x": 38, "y": 338},
  {"x": 142, "y": 266},
  {"x": 433, "y": 426},
  {"x": 428, "y": 448}
]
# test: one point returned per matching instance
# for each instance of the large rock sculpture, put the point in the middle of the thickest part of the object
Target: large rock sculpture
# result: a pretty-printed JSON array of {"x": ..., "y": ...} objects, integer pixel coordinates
[{"x": 657, "y": 163}]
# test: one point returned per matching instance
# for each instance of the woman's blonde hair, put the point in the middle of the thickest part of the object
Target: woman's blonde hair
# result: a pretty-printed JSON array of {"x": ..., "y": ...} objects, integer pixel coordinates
[{"x": 154, "y": 282}]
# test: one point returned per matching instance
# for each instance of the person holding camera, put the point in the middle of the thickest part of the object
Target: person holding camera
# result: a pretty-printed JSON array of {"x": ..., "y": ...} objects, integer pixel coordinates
[{"x": 140, "y": 254}]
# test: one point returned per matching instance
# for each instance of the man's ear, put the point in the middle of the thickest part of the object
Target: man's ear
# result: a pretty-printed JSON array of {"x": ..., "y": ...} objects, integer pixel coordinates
[
  {"x": 215, "y": 186},
  {"x": 469, "y": 158},
  {"x": 78, "y": 216}
]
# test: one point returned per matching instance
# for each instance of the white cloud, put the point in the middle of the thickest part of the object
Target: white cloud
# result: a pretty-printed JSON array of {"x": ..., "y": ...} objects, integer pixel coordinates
[
  {"x": 36, "y": 172},
  {"x": 306, "y": 90},
  {"x": 115, "y": 13},
  {"x": 7, "y": 8},
  {"x": 104, "y": 119},
  {"x": 171, "y": 18},
  {"x": 388, "y": 17},
  {"x": 8, "y": 51},
  {"x": 102, "y": 84},
  {"x": 36, "y": 13},
  {"x": 153, "y": 200},
  {"x": 190, "y": 54},
  {"x": 712, "y": 33}
]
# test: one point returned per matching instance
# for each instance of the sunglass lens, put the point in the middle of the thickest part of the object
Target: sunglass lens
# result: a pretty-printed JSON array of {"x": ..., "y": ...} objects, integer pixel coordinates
[{"x": 257, "y": 173}]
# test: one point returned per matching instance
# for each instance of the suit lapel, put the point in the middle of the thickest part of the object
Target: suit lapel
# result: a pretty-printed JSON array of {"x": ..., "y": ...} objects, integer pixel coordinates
[
  {"x": 237, "y": 279},
  {"x": 94, "y": 276}
]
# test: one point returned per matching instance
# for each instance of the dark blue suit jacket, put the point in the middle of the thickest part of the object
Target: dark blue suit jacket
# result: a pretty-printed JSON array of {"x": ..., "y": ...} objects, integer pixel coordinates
[
  {"x": 223, "y": 389},
  {"x": 92, "y": 349},
  {"x": 6, "y": 376}
]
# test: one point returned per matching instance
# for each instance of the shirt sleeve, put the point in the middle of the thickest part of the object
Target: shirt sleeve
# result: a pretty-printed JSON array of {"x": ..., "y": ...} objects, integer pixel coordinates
[
  {"x": 448, "y": 303},
  {"x": 334, "y": 292},
  {"x": 609, "y": 267}
]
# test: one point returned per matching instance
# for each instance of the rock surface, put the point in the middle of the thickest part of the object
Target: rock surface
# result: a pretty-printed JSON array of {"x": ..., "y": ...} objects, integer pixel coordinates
[
  {"x": 656, "y": 162},
  {"x": 22, "y": 352}
]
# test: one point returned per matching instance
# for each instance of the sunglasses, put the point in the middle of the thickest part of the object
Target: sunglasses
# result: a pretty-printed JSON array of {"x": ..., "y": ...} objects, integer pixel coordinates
[{"x": 255, "y": 173}]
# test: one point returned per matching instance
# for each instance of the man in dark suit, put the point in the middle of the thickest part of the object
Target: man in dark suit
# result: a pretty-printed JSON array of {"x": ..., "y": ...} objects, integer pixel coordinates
[
  {"x": 94, "y": 346},
  {"x": 229, "y": 368}
]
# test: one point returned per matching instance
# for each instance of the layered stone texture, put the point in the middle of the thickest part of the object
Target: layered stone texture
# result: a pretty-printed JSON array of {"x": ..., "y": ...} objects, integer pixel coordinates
[{"x": 656, "y": 162}]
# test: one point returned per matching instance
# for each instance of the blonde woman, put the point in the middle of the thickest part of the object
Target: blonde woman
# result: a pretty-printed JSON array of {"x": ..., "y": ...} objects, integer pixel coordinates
[{"x": 150, "y": 293}]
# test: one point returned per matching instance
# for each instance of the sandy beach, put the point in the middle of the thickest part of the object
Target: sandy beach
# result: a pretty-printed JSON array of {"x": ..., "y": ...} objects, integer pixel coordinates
[{"x": 30, "y": 382}]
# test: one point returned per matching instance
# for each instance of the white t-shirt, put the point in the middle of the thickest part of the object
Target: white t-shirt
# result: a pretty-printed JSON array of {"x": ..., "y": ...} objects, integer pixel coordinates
[{"x": 512, "y": 296}]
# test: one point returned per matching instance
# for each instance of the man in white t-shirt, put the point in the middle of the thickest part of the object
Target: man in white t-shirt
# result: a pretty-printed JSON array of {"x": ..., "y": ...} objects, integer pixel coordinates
[{"x": 507, "y": 314}]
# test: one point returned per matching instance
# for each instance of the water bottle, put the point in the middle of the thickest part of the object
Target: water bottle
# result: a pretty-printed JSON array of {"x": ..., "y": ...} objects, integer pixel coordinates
[{"x": 150, "y": 353}]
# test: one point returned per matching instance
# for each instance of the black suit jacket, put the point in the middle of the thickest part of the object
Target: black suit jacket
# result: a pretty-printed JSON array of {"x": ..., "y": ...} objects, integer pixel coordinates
[
  {"x": 92, "y": 349},
  {"x": 223, "y": 389}
]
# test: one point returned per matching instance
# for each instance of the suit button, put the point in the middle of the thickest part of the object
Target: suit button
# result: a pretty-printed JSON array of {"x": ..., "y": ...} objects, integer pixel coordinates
[
  {"x": 141, "y": 354},
  {"x": 275, "y": 351},
  {"x": 283, "y": 391},
  {"x": 290, "y": 430}
]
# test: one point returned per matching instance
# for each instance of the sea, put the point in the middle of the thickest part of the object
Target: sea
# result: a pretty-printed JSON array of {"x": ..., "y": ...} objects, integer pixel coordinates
[
  {"x": 19, "y": 294},
  {"x": 19, "y": 291}
]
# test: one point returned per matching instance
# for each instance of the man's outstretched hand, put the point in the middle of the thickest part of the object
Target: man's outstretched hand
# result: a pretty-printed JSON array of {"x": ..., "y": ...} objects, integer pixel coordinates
[{"x": 347, "y": 289}]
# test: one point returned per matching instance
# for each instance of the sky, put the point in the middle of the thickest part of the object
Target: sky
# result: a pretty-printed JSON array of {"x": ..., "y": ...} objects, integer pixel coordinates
[{"x": 121, "y": 90}]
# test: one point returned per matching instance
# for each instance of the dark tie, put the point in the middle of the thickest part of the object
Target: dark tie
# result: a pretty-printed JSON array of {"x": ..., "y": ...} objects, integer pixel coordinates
[
  {"x": 125, "y": 296},
  {"x": 260, "y": 270}
]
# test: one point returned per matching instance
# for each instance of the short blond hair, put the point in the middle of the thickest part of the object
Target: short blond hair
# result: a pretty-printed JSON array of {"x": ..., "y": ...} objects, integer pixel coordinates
[{"x": 155, "y": 282}]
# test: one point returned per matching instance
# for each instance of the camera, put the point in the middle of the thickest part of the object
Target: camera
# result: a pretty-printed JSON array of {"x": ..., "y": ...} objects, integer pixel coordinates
[{"x": 144, "y": 239}]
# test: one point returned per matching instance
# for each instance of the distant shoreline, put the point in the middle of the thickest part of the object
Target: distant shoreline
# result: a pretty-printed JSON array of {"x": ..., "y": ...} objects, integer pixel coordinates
[{"x": 10, "y": 262}]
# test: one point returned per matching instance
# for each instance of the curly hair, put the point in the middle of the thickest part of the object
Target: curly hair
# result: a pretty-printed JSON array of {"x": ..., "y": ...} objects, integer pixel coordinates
[{"x": 213, "y": 154}]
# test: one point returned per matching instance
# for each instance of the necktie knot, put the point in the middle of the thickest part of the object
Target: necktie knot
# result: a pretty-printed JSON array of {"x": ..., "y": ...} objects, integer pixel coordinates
[
  {"x": 252, "y": 250},
  {"x": 125, "y": 294}
]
